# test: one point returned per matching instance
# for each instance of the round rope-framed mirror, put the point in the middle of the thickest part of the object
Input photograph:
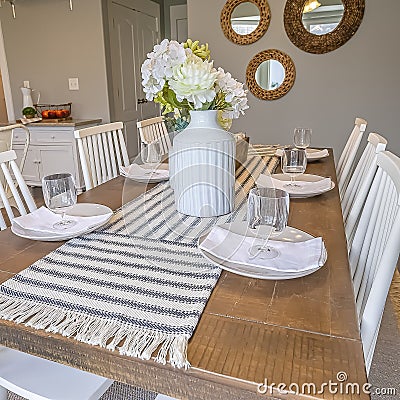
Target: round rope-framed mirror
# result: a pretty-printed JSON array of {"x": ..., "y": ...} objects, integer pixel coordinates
[
  {"x": 270, "y": 74},
  {"x": 245, "y": 21},
  {"x": 321, "y": 26}
]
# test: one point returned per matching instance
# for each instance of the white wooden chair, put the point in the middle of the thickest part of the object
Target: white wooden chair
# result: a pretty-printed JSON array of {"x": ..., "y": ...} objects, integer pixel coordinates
[
  {"x": 346, "y": 162},
  {"x": 10, "y": 196},
  {"x": 6, "y": 143},
  {"x": 35, "y": 378},
  {"x": 360, "y": 183},
  {"x": 102, "y": 150},
  {"x": 154, "y": 129},
  {"x": 375, "y": 249}
]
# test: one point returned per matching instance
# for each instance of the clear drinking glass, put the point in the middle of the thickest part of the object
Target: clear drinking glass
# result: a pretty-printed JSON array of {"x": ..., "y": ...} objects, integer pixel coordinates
[
  {"x": 151, "y": 154},
  {"x": 302, "y": 137},
  {"x": 294, "y": 163},
  {"x": 59, "y": 194},
  {"x": 267, "y": 206}
]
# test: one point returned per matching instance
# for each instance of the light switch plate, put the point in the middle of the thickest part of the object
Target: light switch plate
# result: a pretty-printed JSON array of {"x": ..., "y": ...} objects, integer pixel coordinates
[{"x": 73, "y": 84}]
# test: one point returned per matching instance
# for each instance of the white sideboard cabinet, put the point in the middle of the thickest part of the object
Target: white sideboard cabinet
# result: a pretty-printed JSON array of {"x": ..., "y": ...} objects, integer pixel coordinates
[{"x": 52, "y": 150}]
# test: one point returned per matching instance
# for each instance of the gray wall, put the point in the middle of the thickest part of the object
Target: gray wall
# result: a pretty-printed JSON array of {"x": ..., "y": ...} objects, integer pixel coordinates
[
  {"x": 359, "y": 79},
  {"x": 47, "y": 44}
]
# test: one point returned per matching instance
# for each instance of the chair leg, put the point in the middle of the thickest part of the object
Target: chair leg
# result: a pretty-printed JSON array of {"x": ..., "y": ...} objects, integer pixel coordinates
[{"x": 3, "y": 393}]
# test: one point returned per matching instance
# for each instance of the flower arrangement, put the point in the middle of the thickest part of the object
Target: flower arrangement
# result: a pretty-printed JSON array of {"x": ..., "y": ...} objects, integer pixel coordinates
[{"x": 181, "y": 77}]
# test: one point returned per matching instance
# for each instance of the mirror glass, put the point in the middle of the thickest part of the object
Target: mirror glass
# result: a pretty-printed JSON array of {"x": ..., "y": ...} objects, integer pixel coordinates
[
  {"x": 322, "y": 16},
  {"x": 245, "y": 18},
  {"x": 270, "y": 74}
]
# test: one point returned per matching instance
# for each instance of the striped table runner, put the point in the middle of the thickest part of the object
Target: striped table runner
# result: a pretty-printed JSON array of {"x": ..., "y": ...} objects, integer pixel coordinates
[
  {"x": 138, "y": 286},
  {"x": 153, "y": 214}
]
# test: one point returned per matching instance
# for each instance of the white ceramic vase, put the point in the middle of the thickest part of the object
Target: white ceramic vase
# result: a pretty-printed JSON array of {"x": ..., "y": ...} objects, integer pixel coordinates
[{"x": 202, "y": 167}]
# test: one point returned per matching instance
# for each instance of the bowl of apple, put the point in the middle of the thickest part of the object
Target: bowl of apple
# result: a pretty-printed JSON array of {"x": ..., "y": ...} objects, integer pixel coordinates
[{"x": 54, "y": 111}]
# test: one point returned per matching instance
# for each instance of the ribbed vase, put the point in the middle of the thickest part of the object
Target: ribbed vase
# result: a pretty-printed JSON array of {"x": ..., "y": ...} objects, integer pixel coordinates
[{"x": 202, "y": 167}]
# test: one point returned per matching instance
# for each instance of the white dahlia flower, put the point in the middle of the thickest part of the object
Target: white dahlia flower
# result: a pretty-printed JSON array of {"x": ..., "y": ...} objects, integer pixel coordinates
[{"x": 194, "y": 81}]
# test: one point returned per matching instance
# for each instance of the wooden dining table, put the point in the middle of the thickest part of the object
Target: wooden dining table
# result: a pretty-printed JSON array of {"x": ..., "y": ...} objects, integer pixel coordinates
[{"x": 253, "y": 335}]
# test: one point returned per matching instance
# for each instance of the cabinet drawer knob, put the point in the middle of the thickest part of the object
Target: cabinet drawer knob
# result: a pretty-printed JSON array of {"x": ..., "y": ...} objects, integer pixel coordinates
[{"x": 53, "y": 137}]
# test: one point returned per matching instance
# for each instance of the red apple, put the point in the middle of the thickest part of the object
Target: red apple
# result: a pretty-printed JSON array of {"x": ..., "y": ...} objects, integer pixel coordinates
[
  {"x": 45, "y": 114},
  {"x": 65, "y": 113},
  {"x": 59, "y": 113},
  {"x": 52, "y": 114}
]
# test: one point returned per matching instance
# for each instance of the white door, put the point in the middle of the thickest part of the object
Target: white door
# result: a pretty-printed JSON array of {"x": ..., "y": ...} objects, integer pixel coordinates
[
  {"x": 133, "y": 34},
  {"x": 179, "y": 23},
  {"x": 148, "y": 35}
]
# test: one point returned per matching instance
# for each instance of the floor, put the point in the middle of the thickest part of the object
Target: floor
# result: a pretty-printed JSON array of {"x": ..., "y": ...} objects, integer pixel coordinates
[{"x": 385, "y": 369}]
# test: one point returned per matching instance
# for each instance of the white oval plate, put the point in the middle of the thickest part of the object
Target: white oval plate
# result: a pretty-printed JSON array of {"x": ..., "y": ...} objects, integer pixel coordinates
[
  {"x": 312, "y": 154},
  {"x": 78, "y": 210},
  {"x": 303, "y": 178},
  {"x": 289, "y": 234}
]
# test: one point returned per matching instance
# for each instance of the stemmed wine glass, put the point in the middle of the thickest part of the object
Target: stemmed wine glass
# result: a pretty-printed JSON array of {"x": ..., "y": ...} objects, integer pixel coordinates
[
  {"x": 151, "y": 155},
  {"x": 267, "y": 206},
  {"x": 302, "y": 137},
  {"x": 294, "y": 163},
  {"x": 59, "y": 194}
]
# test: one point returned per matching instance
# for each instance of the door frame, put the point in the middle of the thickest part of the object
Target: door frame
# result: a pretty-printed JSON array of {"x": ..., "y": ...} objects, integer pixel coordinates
[
  {"x": 176, "y": 12},
  {"x": 6, "y": 79}
]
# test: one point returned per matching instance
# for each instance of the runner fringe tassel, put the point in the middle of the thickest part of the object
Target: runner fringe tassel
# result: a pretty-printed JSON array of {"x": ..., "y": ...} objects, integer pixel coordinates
[{"x": 134, "y": 342}]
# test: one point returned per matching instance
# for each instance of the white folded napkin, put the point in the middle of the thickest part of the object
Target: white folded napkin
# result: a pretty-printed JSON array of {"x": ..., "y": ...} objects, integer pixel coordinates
[
  {"x": 317, "y": 154},
  {"x": 310, "y": 154},
  {"x": 137, "y": 171},
  {"x": 305, "y": 187},
  {"x": 42, "y": 220},
  {"x": 293, "y": 257}
]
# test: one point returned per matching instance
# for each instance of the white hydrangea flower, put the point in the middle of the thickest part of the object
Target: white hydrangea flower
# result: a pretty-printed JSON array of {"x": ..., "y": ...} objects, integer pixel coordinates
[
  {"x": 158, "y": 66},
  {"x": 234, "y": 92},
  {"x": 194, "y": 81}
]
